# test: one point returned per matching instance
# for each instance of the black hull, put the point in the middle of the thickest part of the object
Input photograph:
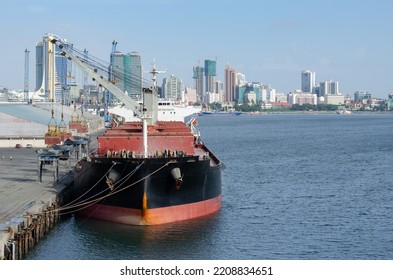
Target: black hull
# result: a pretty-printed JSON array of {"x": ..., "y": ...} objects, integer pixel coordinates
[{"x": 137, "y": 186}]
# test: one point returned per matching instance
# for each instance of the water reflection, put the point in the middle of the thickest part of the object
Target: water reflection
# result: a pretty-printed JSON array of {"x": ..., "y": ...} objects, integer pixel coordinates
[{"x": 182, "y": 240}]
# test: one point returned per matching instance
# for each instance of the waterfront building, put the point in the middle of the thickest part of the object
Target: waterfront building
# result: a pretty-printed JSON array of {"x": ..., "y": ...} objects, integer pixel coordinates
[
  {"x": 390, "y": 102},
  {"x": 308, "y": 81},
  {"x": 251, "y": 97},
  {"x": 328, "y": 88},
  {"x": 281, "y": 97},
  {"x": 268, "y": 94},
  {"x": 361, "y": 95},
  {"x": 230, "y": 84},
  {"x": 334, "y": 99},
  {"x": 301, "y": 98},
  {"x": 190, "y": 95},
  {"x": 172, "y": 88},
  {"x": 199, "y": 80},
  {"x": 210, "y": 75},
  {"x": 218, "y": 88},
  {"x": 211, "y": 97},
  {"x": 248, "y": 93}
]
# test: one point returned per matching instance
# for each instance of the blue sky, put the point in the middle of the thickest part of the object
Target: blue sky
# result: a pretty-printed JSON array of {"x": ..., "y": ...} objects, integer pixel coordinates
[{"x": 268, "y": 41}]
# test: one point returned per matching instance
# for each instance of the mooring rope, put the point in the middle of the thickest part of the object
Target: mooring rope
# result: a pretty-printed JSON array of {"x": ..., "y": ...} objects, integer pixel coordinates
[
  {"x": 86, "y": 204},
  {"x": 87, "y": 200}
]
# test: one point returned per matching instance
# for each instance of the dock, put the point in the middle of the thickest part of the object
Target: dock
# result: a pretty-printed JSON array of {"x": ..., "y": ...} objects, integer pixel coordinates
[
  {"x": 35, "y": 181},
  {"x": 27, "y": 206},
  {"x": 32, "y": 190},
  {"x": 34, "y": 184}
]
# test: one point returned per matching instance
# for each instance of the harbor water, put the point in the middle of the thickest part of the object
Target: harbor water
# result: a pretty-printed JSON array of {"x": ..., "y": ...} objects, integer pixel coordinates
[{"x": 296, "y": 186}]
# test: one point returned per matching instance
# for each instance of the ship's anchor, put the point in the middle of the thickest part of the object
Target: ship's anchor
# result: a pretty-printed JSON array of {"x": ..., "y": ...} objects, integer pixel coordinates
[
  {"x": 112, "y": 178},
  {"x": 176, "y": 174},
  {"x": 179, "y": 182}
]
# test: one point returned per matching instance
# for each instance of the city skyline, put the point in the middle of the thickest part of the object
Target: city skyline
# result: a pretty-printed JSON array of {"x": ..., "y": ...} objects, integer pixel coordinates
[{"x": 268, "y": 42}]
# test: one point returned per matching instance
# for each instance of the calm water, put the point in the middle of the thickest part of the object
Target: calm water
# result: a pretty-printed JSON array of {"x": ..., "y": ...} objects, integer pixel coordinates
[{"x": 294, "y": 187}]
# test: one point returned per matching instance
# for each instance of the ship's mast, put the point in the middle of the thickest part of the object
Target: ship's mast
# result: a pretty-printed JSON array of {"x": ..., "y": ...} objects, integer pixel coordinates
[{"x": 150, "y": 107}]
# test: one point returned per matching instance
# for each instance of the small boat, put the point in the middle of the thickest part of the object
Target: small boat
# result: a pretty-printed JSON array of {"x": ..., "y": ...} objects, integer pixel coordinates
[
  {"x": 343, "y": 111},
  {"x": 220, "y": 113}
]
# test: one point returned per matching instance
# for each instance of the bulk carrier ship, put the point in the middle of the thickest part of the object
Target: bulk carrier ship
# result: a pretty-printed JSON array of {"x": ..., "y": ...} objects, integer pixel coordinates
[{"x": 145, "y": 172}]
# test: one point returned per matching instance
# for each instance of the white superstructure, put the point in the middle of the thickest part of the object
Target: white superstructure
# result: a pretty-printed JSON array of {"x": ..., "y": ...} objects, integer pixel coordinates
[{"x": 167, "y": 111}]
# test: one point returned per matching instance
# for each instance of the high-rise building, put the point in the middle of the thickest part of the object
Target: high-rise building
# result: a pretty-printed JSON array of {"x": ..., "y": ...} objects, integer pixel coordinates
[
  {"x": 135, "y": 66},
  {"x": 39, "y": 64},
  {"x": 210, "y": 74},
  {"x": 218, "y": 88},
  {"x": 230, "y": 84},
  {"x": 118, "y": 70},
  {"x": 198, "y": 77},
  {"x": 308, "y": 81},
  {"x": 240, "y": 79},
  {"x": 51, "y": 69},
  {"x": 172, "y": 88},
  {"x": 127, "y": 73},
  {"x": 328, "y": 88}
]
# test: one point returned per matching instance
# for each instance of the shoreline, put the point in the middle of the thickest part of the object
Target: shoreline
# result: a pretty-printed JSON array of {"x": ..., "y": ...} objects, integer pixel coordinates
[{"x": 316, "y": 113}]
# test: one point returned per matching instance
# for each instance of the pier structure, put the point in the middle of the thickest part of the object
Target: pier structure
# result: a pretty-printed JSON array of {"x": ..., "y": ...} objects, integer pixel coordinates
[
  {"x": 34, "y": 184},
  {"x": 28, "y": 207}
]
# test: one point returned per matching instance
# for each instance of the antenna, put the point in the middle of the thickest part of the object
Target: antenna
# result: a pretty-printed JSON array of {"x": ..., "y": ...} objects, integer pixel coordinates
[
  {"x": 154, "y": 71},
  {"x": 26, "y": 84}
]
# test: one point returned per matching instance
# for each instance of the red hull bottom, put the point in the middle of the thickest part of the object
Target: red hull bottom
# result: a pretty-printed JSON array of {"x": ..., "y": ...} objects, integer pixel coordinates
[{"x": 154, "y": 216}]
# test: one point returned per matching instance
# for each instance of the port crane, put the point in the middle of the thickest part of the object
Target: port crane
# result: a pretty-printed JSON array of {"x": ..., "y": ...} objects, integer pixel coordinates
[
  {"x": 147, "y": 112},
  {"x": 149, "y": 108}
]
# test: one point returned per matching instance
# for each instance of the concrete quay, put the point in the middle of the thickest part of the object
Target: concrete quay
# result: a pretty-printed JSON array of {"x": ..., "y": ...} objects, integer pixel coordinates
[
  {"x": 33, "y": 186},
  {"x": 29, "y": 208}
]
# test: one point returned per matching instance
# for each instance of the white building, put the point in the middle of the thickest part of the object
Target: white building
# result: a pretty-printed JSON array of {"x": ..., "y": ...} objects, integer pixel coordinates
[
  {"x": 190, "y": 95},
  {"x": 268, "y": 93},
  {"x": 335, "y": 99},
  {"x": 281, "y": 97},
  {"x": 308, "y": 81},
  {"x": 172, "y": 88},
  {"x": 211, "y": 97},
  {"x": 240, "y": 79},
  {"x": 328, "y": 88},
  {"x": 301, "y": 98}
]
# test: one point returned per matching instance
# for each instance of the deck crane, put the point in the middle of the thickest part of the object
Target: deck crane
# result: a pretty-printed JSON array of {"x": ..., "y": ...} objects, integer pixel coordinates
[
  {"x": 101, "y": 80},
  {"x": 148, "y": 112}
]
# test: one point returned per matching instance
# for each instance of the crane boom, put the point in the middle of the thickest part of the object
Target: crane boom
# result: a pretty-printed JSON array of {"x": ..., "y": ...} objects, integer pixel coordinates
[{"x": 101, "y": 80}]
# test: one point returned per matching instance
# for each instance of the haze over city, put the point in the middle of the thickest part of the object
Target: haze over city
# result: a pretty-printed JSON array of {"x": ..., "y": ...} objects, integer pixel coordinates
[{"x": 267, "y": 41}]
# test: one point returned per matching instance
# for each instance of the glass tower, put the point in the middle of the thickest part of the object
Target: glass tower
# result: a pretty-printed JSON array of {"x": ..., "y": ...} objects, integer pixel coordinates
[{"x": 210, "y": 74}]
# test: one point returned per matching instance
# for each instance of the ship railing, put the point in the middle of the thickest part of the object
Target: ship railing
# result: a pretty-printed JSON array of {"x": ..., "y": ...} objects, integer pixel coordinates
[{"x": 139, "y": 155}]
